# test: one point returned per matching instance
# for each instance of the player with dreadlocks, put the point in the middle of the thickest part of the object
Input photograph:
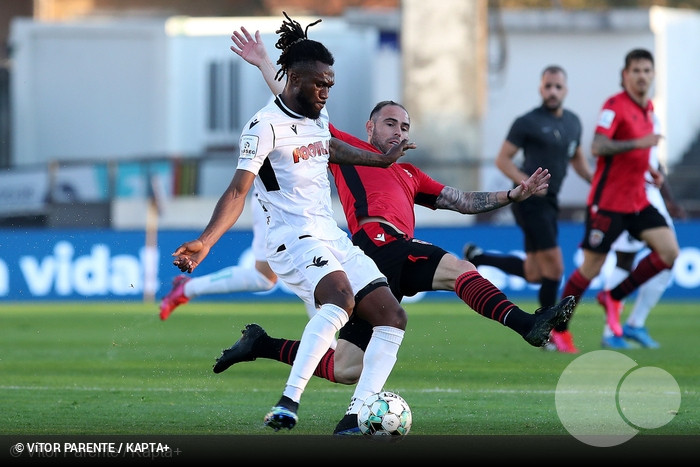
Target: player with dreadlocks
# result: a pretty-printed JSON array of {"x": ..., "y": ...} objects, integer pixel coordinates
[{"x": 285, "y": 150}]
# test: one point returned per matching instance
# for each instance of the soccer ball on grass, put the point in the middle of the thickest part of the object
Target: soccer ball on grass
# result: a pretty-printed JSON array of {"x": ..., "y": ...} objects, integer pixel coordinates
[{"x": 385, "y": 413}]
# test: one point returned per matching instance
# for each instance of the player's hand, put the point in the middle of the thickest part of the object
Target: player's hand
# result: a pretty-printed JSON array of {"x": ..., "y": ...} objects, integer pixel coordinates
[
  {"x": 648, "y": 141},
  {"x": 249, "y": 49},
  {"x": 537, "y": 184},
  {"x": 399, "y": 150},
  {"x": 189, "y": 255}
]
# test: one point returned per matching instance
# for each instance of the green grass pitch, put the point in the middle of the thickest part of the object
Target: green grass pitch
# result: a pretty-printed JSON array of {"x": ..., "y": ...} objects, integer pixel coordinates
[{"x": 99, "y": 368}]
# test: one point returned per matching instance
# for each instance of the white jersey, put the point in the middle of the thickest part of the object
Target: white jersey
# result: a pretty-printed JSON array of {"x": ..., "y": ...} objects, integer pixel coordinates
[{"x": 289, "y": 154}]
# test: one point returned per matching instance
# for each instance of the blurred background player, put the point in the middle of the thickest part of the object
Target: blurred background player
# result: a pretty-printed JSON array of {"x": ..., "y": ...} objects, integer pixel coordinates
[
  {"x": 626, "y": 249},
  {"x": 617, "y": 201},
  {"x": 549, "y": 136}
]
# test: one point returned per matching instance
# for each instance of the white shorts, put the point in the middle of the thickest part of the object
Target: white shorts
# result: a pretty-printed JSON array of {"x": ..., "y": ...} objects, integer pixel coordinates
[{"x": 302, "y": 262}]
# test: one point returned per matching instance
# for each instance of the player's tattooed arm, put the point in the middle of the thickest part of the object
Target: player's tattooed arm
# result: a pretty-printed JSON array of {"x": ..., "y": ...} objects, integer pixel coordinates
[
  {"x": 474, "y": 202},
  {"x": 344, "y": 154},
  {"x": 604, "y": 146},
  {"x": 470, "y": 202}
]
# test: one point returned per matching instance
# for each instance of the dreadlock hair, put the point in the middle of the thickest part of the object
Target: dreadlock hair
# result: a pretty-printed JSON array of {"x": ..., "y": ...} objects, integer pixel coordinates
[{"x": 296, "y": 47}]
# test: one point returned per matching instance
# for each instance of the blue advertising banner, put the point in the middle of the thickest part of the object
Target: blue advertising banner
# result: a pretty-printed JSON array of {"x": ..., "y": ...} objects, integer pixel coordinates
[{"x": 38, "y": 264}]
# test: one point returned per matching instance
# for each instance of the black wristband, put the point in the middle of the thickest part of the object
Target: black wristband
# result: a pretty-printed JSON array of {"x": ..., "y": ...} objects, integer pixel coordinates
[{"x": 509, "y": 198}]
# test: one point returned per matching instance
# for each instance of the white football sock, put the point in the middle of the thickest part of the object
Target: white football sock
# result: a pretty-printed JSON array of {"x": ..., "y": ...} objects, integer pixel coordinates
[
  {"x": 227, "y": 280},
  {"x": 648, "y": 295},
  {"x": 378, "y": 362},
  {"x": 315, "y": 341},
  {"x": 311, "y": 310},
  {"x": 607, "y": 332}
]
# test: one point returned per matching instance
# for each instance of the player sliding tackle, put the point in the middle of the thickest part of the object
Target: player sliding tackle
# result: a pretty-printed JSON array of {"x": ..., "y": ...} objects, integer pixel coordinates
[{"x": 378, "y": 205}]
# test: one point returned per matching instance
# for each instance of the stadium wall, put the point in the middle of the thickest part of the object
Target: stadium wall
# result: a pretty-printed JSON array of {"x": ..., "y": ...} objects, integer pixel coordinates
[{"x": 111, "y": 265}]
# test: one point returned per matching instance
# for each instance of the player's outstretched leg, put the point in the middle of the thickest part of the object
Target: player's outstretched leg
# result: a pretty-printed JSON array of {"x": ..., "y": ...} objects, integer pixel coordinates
[
  {"x": 243, "y": 350},
  {"x": 547, "y": 318}
]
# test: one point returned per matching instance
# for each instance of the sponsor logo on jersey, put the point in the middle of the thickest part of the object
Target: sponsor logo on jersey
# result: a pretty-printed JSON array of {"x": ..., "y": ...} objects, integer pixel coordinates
[
  {"x": 253, "y": 123},
  {"x": 318, "y": 262},
  {"x": 380, "y": 237},
  {"x": 248, "y": 146},
  {"x": 294, "y": 128},
  {"x": 319, "y": 148}
]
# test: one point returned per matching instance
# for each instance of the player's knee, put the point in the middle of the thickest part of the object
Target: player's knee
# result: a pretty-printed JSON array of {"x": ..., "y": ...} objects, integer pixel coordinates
[
  {"x": 400, "y": 318},
  {"x": 395, "y": 317},
  {"x": 670, "y": 256}
]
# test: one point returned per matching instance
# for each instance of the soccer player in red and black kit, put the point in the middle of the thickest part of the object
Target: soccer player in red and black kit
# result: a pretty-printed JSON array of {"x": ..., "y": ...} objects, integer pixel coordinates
[
  {"x": 379, "y": 208},
  {"x": 617, "y": 200}
]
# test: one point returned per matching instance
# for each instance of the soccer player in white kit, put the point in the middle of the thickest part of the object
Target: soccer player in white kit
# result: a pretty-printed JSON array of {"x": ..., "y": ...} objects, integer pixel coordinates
[{"x": 285, "y": 150}]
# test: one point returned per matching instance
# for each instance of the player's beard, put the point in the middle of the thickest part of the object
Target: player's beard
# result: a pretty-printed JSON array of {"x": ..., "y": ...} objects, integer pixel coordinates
[
  {"x": 552, "y": 104},
  {"x": 307, "y": 108},
  {"x": 384, "y": 146}
]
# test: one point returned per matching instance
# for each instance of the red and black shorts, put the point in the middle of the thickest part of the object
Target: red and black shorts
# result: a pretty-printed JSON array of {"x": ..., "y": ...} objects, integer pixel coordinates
[{"x": 603, "y": 227}]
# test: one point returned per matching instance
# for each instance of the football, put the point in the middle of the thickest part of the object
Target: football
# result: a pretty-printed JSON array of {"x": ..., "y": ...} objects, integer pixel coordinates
[{"x": 385, "y": 413}]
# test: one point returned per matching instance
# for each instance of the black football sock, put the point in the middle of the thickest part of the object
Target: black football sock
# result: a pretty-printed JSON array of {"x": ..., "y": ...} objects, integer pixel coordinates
[
  {"x": 549, "y": 291},
  {"x": 509, "y": 264},
  {"x": 285, "y": 351}
]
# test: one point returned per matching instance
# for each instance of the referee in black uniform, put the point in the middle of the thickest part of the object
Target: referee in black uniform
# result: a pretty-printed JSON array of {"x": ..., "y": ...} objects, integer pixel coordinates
[{"x": 549, "y": 137}]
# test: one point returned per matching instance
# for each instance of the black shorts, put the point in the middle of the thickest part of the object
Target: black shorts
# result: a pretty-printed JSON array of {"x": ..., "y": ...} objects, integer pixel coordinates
[
  {"x": 603, "y": 227},
  {"x": 408, "y": 264},
  {"x": 537, "y": 217}
]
